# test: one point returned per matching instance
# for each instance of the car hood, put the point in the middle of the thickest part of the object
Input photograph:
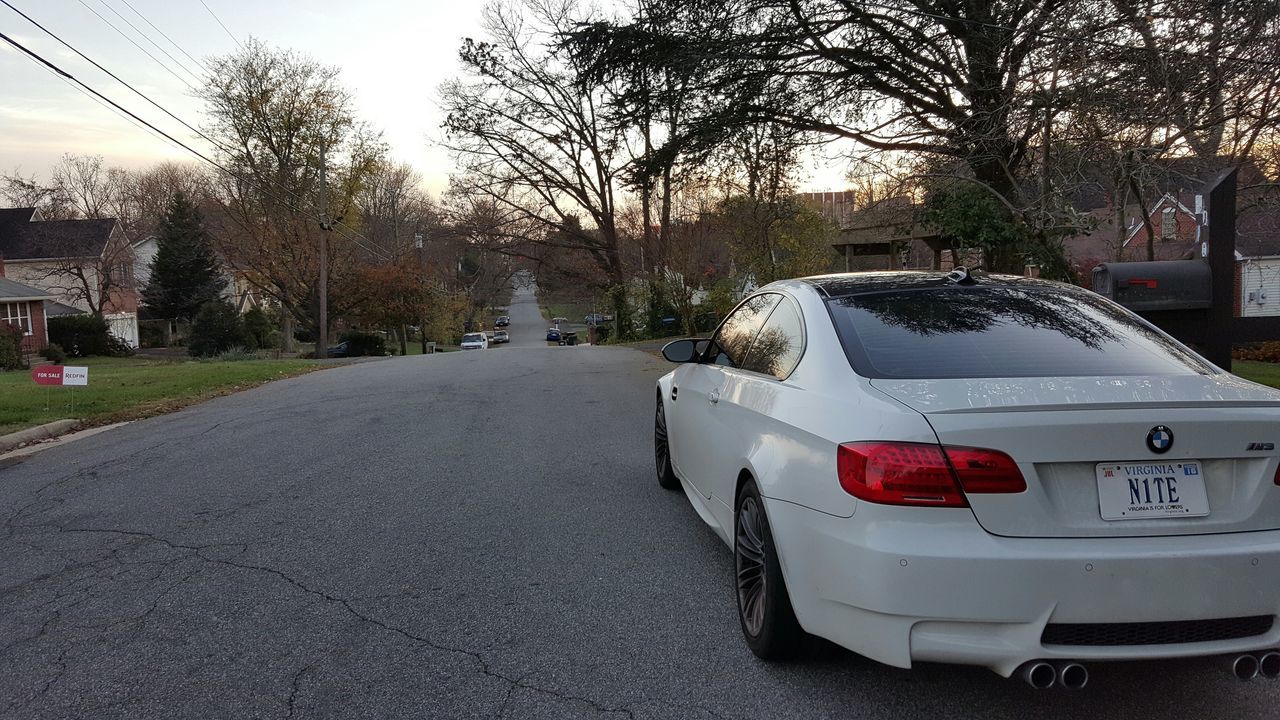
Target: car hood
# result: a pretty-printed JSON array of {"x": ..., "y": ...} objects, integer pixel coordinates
[{"x": 968, "y": 395}]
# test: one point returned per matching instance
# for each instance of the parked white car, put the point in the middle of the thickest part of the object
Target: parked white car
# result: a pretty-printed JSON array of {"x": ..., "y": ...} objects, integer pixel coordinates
[
  {"x": 475, "y": 341},
  {"x": 985, "y": 470}
]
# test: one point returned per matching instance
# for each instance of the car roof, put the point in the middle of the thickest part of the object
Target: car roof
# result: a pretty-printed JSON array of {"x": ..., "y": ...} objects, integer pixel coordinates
[{"x": 847, "y": 284}]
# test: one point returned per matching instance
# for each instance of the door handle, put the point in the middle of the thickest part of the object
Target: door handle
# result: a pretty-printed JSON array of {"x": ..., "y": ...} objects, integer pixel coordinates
[
  {"x": 674, "y": 389},
  {"x": 714, "y": 396}
]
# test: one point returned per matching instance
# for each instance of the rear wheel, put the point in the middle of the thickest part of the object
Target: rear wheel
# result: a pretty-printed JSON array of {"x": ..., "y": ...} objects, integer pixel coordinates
[
  {"x": 662, "y": 450},
  {"x": 764, "y": 608}
]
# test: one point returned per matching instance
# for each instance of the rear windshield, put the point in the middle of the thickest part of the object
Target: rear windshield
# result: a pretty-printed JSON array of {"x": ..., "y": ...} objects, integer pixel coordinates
[
  {"x": 1001, "y": 331},
  {"x": 472, "y": 338}
]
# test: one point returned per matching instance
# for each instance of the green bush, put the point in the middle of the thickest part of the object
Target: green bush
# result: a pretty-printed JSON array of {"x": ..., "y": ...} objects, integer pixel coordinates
[
  {"x": 259, "y": 325},
  {"x": 11, "y": 347},
  {"x": 54, "y": 353},
  {"x": 602, "y": 334},
  {"x": 85, "y": 335},
  {"x": 151, "y": 333},
  {"x": 364, "y": 343},
  {"x": 235, "y": 354},
  {"x": 217, "y": 329}
]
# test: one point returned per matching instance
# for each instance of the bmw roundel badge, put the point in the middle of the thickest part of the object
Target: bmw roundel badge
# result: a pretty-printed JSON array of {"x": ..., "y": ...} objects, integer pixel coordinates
[{"x": 1160, "y": 439}]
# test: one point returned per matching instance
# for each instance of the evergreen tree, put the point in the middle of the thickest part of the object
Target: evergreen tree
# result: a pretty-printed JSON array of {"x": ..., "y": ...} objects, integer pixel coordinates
[{"x": 185, "y": 273}]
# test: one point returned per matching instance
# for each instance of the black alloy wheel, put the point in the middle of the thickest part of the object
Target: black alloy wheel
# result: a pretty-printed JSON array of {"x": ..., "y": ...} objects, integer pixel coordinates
[
  {"x": 768, "y": 621},
  {"x": 662, "y": 450}
]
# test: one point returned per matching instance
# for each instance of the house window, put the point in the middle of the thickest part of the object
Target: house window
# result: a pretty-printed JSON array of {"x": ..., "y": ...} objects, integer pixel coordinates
[
  {"x": 1168, "y": 225},
  {"x": 17, "y": 314}
]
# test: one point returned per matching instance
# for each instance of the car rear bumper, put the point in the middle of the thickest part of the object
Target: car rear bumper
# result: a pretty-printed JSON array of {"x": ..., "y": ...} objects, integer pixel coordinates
[{"x": 929, "y": 584}]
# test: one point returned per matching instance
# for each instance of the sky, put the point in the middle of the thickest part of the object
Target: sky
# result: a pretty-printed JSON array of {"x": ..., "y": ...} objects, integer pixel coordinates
[{"x": 393, "y": 55}]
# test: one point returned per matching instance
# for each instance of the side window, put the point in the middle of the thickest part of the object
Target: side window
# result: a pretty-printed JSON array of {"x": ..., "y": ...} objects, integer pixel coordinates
[
  {"x": 733, "y": 339},
  {"x": 779, "y": 344}
]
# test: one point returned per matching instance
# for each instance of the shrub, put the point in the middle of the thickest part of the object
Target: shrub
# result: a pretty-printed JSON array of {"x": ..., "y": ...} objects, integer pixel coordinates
[
  {"x": 54, "y": 353},
  {"x": 1263, "y": 352},
  {"x": 151, "y": 333},
  {"x": 217, "y": 328},
  {"x": 364, "y": 343},
  {"x": 11, "y": 347},
  {"x": 602, "y": 334},
  {"x": 80, "y": 335},
  {"x": 236, "y": 354},
  {"x": 260, "y": 327}
]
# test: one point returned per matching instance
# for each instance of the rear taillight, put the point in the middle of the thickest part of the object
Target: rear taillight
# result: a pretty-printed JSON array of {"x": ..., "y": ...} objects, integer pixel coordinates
[
  {"x": 898, "y": 474},
  {"x": 985, "y": 471},
  {"x": 922, "y": 474}
]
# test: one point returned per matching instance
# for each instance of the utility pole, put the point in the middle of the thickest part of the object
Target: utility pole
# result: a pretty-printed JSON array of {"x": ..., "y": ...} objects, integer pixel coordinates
[
  {"x": 326, "y": 225},
  {"x": 422, "y": 279}
]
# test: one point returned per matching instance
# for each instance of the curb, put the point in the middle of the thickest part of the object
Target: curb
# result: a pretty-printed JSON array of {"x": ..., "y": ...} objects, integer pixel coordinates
[{"x": 36, "y": 434}]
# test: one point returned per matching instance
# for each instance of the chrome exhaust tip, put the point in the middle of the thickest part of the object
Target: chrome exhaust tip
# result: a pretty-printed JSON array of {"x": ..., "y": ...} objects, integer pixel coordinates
[
  {"x": 1269, "y": 665},
  {"x": 1074, "y": 676},
  {"x": 1038, "y": 674},
  {"x": 1243, "y": 667}
]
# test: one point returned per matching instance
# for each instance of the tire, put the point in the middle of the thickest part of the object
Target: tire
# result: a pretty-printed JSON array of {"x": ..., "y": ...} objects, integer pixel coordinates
[
  {"x": 662, "y": 450},
  {"x": 768, "y": 621}
]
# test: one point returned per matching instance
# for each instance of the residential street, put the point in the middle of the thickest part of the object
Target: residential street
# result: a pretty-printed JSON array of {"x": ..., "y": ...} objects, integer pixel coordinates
[{"x": 459, "y": 535}]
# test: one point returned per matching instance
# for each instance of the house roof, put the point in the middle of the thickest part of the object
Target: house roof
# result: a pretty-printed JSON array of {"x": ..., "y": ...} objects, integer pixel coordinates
[
  {"x": 24, "y": 240},
  {"x": 11, "y": 291},
  {"x": 11, "y": 218},
  {"x": 53, "y": 308}
]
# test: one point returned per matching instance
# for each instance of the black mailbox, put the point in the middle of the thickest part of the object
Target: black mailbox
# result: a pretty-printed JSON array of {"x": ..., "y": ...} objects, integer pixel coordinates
[{"x": 1157, "y": 285}]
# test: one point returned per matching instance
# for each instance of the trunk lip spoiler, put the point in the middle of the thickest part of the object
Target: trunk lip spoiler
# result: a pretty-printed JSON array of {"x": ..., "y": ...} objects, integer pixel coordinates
[{"x": 1121, "y": 405}]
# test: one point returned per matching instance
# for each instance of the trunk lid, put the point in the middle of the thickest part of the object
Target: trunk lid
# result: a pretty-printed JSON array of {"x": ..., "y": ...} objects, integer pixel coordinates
[{"x": 1060, "y": 430}]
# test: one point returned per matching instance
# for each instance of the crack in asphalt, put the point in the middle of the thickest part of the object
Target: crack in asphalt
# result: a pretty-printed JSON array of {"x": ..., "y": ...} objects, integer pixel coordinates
[
  {"x": 295, "y": 688},
  {"x": 199, "y": 551}
]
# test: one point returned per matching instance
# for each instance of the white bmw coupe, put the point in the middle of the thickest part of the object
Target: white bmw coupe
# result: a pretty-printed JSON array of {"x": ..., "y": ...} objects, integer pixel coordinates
[{"x": 978, "y": 469}]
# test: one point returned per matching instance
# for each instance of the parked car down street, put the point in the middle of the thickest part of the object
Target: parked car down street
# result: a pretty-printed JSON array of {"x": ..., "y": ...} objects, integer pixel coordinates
[
  {"x": 502, "y": 321},
  {"x": 553, "y": 334},
  {"x": 978, "y": 469},
  {"x": 475, "y": 341},
  {"x": 499, "y": 337}
]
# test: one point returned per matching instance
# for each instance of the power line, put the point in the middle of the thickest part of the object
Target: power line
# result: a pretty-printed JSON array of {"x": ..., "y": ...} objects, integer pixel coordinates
[
  {"x": 133, "y": 42},
  {"x": 219, "y": 21},
  {"x": 35, "y": 57},
  {"x": 149, "y": 39},
  {"x": 165, "y": 36},
  {"x": 113, "y": 76}
]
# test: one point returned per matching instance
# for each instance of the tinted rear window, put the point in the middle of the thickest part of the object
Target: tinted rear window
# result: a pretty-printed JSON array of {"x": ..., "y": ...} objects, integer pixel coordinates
[
  {"x": 1001, "y": 331},
  {"x": 472, "y": 338}
]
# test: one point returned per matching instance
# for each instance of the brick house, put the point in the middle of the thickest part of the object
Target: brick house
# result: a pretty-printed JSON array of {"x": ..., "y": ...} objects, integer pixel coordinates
[
  {"x": 76, "y": 262},
  {"x": 23, "y": 305}
]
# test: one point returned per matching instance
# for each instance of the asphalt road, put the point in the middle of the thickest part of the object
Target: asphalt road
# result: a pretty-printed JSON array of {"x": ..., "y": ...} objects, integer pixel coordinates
[{"x": 451, "y": 536}]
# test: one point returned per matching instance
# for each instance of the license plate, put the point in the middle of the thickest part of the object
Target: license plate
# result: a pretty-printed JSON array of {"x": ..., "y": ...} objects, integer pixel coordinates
[{"x": 1145, "y": 490}]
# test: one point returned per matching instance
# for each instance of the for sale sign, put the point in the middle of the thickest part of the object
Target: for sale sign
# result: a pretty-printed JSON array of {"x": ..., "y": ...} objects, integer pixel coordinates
[
  {"x": 60, "y": 375},
  {"x": 47, "y": 374}
]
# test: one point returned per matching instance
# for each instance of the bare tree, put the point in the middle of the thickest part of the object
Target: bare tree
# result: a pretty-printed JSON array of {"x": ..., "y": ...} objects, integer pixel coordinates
[
  {"x": 529, "y": 139},
  {"x": 282, "y": 122}
]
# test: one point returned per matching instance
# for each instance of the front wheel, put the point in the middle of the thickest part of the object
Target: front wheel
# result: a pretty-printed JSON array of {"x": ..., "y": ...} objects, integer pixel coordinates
[
  {"x": 764, "y": 608},
  {"x": 662, "y": 450}
]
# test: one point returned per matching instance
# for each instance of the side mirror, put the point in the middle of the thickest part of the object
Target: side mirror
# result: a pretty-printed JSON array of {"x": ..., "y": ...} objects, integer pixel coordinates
[{"x": 683, "y": 351}]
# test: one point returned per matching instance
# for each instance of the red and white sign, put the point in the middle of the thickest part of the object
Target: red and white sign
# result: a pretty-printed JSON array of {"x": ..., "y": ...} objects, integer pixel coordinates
[{"x": 60, "y": 375}]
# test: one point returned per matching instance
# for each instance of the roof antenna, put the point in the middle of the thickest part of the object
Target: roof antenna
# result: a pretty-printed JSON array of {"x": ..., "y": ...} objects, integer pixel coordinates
[{"x": 961, "y": 276}]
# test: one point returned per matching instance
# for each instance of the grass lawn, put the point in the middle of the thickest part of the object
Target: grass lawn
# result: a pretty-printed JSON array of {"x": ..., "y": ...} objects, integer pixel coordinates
[
  {"x": 130, "y": 388},
  {"x": 1259, "y": 372}
]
